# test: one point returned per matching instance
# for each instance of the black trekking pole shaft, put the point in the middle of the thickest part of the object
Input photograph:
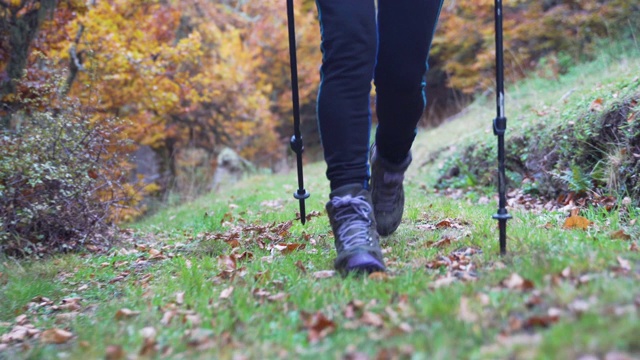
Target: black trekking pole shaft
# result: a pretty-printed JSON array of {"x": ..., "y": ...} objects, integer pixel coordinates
[
  {"x": 296, "y": 139},
  {"x": 499, "y": 128}
]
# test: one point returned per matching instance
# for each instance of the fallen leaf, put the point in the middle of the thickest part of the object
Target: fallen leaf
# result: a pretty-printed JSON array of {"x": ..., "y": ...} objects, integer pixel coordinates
[
  {"x": 540, "y": 321},
  {"x": 226, "y": 293},
  {"x": 301, "y": 267},
  {"x": 517, "y": 282},
  {"x": 125, "y": 313},
  {"x": 201, "y": 339},
  {"x": 634, "y": 247},
  {"x": 448, "y": 223},
  {"x": 620, "y": 235},
  {"x": 378, "y": 276},
  {"x": 323, "y": 274},
  {"x": 21, "y": 319},
  {"x": 245, "y": 255},
  {"x": 427, "y": 227},
  {"x": 277, "y": 297},
  {"x": 596, "y": 105},
  {"x": 156, "y": 254},
  {"x": 167, "y": 317},
  {"x": 66, "y": 317},
  {"x": 624, "y": 264},
  {"x": 576, "y": 222},
  {"x": 227, "y": 263},
  {"x": 148, "y": 341},
  {"x": 180, "y": 298},
  {"x": 353, "y": 307},
  {"x": 372, "y": 319},
  {"x": 289, "y": 248},
  {"x": 194, "y": 320},
  {"x": 55, "y": 336},
  {"x": 114, "y": 352},
  {"x": 318, "y": 326},
  {"x": 445, "y": 241}
]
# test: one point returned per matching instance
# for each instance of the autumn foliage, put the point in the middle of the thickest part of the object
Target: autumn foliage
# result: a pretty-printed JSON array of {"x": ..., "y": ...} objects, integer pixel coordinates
[{"x": 203, "y": 75}]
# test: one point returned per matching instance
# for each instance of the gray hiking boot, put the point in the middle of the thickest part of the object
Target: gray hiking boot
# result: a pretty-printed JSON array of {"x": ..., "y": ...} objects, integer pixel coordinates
[
  {"x": 387, "y": 192},
  {"x": 354, "y": 228}
]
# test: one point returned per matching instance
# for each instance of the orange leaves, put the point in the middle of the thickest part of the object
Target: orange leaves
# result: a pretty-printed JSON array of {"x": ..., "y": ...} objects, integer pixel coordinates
[
  {"x": 317, "y": 325},
  {"x": 576, "y": 222}
]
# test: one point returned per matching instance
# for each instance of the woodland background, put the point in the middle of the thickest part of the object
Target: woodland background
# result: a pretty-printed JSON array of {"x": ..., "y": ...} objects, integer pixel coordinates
[{"x": 86, "y": 85}]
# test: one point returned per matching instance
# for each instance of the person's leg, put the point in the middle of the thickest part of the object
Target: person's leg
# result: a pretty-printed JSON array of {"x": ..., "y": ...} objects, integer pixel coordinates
[
  {"x": 406, "y": 29},
  {"x": 349, "y": 46}
]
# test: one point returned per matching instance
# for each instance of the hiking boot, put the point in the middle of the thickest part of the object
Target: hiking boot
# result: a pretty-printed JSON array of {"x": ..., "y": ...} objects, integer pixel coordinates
[
  {"x": 387, "y": 192},
  {"x": 354, "y": 228}
]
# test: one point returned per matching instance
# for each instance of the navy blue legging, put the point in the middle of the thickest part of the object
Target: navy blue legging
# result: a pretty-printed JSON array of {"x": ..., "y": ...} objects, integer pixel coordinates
[{"x": 356, "y": 48}]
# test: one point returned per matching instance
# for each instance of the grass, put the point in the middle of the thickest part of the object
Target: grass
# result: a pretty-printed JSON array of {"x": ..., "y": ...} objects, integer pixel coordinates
[{"x": 583, "y": 298}]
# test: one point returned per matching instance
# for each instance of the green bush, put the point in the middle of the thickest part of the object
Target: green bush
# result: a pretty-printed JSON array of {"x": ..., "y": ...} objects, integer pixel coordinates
[{"x": 60, "y": 177}]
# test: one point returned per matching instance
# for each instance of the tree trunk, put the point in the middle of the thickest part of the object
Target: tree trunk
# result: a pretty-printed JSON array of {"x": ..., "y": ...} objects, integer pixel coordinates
[{"x": 22, "y": 29}]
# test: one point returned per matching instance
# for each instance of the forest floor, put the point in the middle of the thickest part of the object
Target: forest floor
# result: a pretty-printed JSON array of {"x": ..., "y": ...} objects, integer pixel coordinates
[{"x": 233, "y": 275}]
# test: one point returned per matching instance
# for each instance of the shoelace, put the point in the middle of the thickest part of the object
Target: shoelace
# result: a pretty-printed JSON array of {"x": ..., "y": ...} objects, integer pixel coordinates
[
  {"x": 353, "y": 212},
  {"x": 389, "y": 192}
]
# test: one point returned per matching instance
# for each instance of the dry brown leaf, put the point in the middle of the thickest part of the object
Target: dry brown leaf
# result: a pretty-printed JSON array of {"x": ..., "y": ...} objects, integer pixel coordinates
[
  {"x": 21, "y": 319},
  {"x": 66, "y": 317},
  {"x": 634, "y": 247},
  {"x": 125, "y": 313},
  {"x": 55, "y": 336},
  {"x": 114, "y": 352},
  {"x": 378, "y": 276},
  {"x": 245, "y": 255},
  {"x": 201, "y": 339},
  {"x": 289, "y": 248},
  {"x": 17, "y": 333},
  {"x": 301, "y": 267},
  {"x": 227, "y": 263},
  {"x": 624, "y": 264},
  {"x": 596, "y": 105},
  {"x": 167, "y": 317},
  {"x": 318, "y": 326},
  {"x": 180, "y": 298},
  {"x": 323, "y": 274},
  {"x": 448, "y": 223},
  {"x": 620, "y": 235},
  {"x": 576, "y": 222},
  {"x": 277, "y": 297},
  {"x": 148, "y": 342},
  {"x": 226, "y": 293},
  {"x": 192, "y": 319},
  {"x": 372, "y": 319},
  {"x": 517, "y": 282},
  {"x": 353, "y": 307},
  {"x": 427, "y": 227},
  {"x": 445, "y": 241},
  {"x": 541, "y": 321}
]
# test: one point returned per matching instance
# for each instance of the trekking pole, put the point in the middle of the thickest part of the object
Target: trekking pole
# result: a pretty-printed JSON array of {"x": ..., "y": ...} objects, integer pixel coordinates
[
  {"x": 499, "y": 128},
  {"x": 296, "y": 139}
]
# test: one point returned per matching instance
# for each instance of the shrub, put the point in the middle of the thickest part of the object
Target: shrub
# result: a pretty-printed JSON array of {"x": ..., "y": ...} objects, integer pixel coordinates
[{"x": 61, "y": 176}]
